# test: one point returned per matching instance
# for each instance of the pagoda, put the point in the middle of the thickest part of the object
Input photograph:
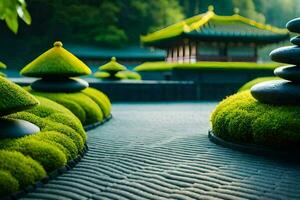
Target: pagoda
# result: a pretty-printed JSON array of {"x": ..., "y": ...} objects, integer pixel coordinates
[{"x": 210, "y": 37}]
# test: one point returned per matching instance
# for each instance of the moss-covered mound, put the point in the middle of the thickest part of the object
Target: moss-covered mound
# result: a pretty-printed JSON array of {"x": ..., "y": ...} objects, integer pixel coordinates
[
  {"x": 2, "y": 65},
  {"x": 107, "y": 76},
  {"x": 14, "y": 98},
  {"x": 89, "y": 105},
  {"x": 113, "y": 65},
  {"x": 249, "y": 84},
  {"x": 56, "y": 62},
  {"x": 26, "y": 160},
  {"x": 240, "y": 118}
]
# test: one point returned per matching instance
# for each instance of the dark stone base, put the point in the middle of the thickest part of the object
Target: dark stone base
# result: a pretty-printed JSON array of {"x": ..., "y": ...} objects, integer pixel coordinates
[
  {"x": 59, "y": 85},
  {"x": 279, "y": 92},
  {"x": 15, "y": 128},
  {"x": 288, "y": 154}
]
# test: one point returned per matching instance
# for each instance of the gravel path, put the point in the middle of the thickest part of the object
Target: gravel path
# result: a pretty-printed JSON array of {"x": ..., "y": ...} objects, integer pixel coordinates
[{"x": 161, "y": 151}]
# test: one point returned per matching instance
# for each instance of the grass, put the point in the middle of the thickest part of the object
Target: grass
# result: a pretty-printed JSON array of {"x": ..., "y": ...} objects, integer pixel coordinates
[
  {"x": 240, "y": 118},
  {"x": 56, "y": 62},
  {"x": 249, "y": 85},
  {"x": 164, "y": 66},
  {"x": 25, "y": 160},
  {"x": 14, "y": 98}
]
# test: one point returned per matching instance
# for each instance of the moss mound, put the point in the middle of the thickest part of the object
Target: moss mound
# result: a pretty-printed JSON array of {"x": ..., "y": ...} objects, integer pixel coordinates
[
  {"x": 241, "y": 118},
  {"x": 24, "y": 169},
  {"x": 101, "y": 99},
  {"x": 56, "y": 62},
  {"x": 89, "y": 105},
  {"x": 113, "y": 65},
  {"x": 13, "y": 98},
  {"x": 2, "y": 65},
  {"x": 23, "y": 161},
  {"x": 249, "y": 85},
  {"x": 108, "y": 76},
  {"x": 131, "y": 75},
  {"x": 8, "y": 184}
]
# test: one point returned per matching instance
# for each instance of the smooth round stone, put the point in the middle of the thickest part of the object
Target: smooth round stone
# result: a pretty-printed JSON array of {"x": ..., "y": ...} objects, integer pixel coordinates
[
  {"x": 296, "y": 40},
  {"x": 294, "y": 25},
  {"x": 59, "y": 85},
  {"x": 290, "y": 55},
  {"x": 279, "y": 92},
  {"x": 291, "y": 73},
  {"x": 15, "y": 128}
]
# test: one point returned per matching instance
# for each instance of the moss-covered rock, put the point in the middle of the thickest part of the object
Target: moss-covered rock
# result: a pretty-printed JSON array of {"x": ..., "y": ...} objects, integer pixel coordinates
[
  {"x": 56, "y": 62},
  {"x": 14, "y": 98},
  {"x": 241, "y": 118},
  {"x": 2, "y": 65},
  {"x": 130, "y": 75}
]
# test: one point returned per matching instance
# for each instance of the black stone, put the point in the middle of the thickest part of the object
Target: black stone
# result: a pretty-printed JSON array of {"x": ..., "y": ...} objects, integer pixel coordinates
[
  {"x": 294, "y": 25},
  {"x": 59, "y": 85},
  {"x": 291, "y": 73},
  {"x": 296, "y": 40},
  {"x": 15, "y": 128},
  {"x": 290, "y": 55},
  {"x": 280, "y": 92}
]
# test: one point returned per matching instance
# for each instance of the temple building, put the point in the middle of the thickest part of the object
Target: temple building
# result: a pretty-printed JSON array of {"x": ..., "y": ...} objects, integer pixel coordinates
[{"x": 210, "y": 37}]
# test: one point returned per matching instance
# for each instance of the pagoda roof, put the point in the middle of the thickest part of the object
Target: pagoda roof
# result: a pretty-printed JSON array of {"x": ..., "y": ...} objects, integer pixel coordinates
[{"x": 212, "y": 27}]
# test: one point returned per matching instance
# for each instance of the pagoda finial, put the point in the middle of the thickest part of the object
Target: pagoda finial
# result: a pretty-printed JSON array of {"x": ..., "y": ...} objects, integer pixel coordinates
[
  {"x": 236, "y": 11},
  {"x": 211, "y": 8}
]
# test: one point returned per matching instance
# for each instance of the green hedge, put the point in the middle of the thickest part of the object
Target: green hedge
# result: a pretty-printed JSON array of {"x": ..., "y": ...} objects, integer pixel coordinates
[
  {"x": 241, "y": 118},
  {"x": 164, "y": 66},
  {"x": 249, "y": 85}
]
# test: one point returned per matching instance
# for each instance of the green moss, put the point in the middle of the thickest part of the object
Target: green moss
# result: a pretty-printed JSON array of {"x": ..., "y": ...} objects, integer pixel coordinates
[
  {"x": 164, "y": 66},
  {"x": 2, "y": 74},
  {"x": 61, "y": 141},
  {"x": 2, "y": 65},
  {"x": 130, "y": 75},
  {"x": 101, "y": 99},
  {"x": 13, "y": 98},
  {"x": 102, "y": 75},
  {"x": 24, "y": 169},
  {"x": 56, "y": 62},
  {"x": 107, "y": 76},
  {"x": 249, "y": 85},
  {"x": 48, "y": 155},
  {"x": 8, "y": 184},
  {"x": 92, "y": 111},
  {"x": 113, "y": 65},
  {"x": 241, "y": 118}
]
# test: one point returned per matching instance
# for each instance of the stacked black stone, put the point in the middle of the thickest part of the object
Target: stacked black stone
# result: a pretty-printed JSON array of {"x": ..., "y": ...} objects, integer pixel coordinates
[{"x": 283, "y": 92}]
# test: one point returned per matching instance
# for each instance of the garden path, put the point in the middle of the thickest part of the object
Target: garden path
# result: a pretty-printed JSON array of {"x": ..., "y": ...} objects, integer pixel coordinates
[{"x": 157, "y": 151}]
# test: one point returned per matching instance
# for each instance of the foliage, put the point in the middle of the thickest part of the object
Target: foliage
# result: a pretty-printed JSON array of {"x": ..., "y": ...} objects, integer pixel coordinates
[
  {"x": 56, "y": 62},
  {"x": 164, "y": 66},
  {"x": 10, "y": 10},
  {"x": 249, "y": 85},
  {"x": 241, "y": 118},
  {"x": 14, "y": 98}
]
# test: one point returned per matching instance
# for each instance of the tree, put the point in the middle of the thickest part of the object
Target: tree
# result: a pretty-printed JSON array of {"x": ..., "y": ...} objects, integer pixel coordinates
[{"x": 10, "y": 10}]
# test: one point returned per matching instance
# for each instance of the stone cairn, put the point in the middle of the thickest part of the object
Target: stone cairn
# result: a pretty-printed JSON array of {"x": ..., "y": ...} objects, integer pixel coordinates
[
  {"x": 58, "y": 70},
  {"x": 287, "y": 91}
]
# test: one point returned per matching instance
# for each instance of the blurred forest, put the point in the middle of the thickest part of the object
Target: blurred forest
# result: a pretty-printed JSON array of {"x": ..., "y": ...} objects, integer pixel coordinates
[{"x": 117, "y": 23}]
